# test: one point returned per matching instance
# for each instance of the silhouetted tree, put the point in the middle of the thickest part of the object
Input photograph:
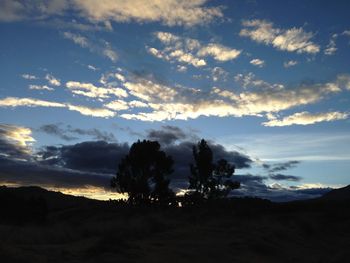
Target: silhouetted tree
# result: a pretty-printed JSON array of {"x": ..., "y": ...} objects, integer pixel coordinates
[
  {"x": 221, "y": 182},
  {"x": 209, "y": 180},
  {"x": 202, "y": 170},
  {"x": 142, "y": 173}
]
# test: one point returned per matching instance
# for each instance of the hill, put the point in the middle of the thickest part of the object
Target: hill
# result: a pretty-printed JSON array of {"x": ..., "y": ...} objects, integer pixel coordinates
[
  {"x": 338, "y": 194},
  {"x": 239, "y": 230}
]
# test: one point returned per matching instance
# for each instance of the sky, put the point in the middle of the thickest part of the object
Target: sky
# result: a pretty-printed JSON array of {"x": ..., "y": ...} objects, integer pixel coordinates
[{"x": 266, "y": 83}]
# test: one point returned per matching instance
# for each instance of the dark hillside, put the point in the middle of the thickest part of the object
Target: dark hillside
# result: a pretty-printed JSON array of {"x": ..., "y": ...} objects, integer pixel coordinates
[{"x": 238, "y": 230}]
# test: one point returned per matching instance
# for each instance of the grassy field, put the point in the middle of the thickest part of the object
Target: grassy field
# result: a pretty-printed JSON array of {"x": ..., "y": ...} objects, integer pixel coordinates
[{"x": 241, "y": 230}]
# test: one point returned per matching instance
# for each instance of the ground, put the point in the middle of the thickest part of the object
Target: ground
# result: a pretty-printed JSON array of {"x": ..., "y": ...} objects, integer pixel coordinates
[{"x": 241, "y": 230}]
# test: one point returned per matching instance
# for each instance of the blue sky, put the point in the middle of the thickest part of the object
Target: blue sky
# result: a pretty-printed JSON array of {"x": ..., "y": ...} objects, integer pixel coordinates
[{"x": 267, "y": 79}]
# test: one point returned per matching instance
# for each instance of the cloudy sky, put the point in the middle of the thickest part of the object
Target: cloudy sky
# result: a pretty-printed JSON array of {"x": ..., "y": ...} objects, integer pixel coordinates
[{"x": 266, "y": 83}]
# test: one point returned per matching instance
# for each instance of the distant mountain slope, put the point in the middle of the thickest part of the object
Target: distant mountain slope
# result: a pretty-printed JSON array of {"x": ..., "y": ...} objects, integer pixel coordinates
[
  {"x": 54, "y": 200},
  {"x": 338, "y": 194}
]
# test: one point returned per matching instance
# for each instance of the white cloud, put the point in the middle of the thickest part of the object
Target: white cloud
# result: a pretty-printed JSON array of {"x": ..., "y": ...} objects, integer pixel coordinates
[
  {"x": 119, "y": 77},
  {"x": 93, "y": 68},
  {"x": 292, "y": 40},
  {"x": 18, "y": 135},
  {"x": 103, "y": 48},
  {"x": 257, "y": 62},
  {"x": 90, "y": 90},
  {"x": 331, "y": 47},
  {"x": 28, "y": 102},
  {"x": 52, "y": 80},
  {"x": 29, "y": 76},
  {"x": 181, "y": 68},
  {"x": 306, "y": 118},
  {"x": 263, "y": 98},
  {"x": 190, "y": 51},
  {"x": 290, "y": 63},
  {"x": 94, "y": 112},
  {"x": 40, "y": 87},
  {"x": 117, "y": 105},
  {"x": 150, "y": 91},
  {"x": 219, "y": 52},
  {"x": 250, "y": 81},
  {"x": 170, "y": 12},
  {"x": 346, "y": 33},
  {"x": 77, "y": 39},
  {"x": 219, "y": 74},
  {"x": 187, "y": 58},
  {"x": 108, "y": 52},
  {"x": 137, "y": 104}
]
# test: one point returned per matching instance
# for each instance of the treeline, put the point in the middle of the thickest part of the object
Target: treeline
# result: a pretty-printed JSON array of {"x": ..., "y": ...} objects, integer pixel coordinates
[{"x": 143, "y": 174}]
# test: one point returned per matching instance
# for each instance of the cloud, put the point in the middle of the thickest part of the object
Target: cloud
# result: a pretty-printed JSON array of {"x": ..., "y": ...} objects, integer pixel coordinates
[
  {"x": 290, "y": 63},
  {"x": 29, "y": 76},
  {"x": 190, "y": 51},
  {"x": 257, "y": 62},
  {"x": 11, "y": 11},
  {"x": 94, "y": 112},
  {"x": 56, "y": 130},
  {"x": 291, "y": 40},
  {"x": 77, "y": 39},
  {"x": 281, "y": 166},
  {"x": 28, "y": 102},
  {"x": 117, "y": 105},
  {"x": 15, "y": 141},
  {"x": 187, "y": 13},
  {"x": 52, "y": 80},
  {"x": 219, "y": 52},
  {"x": 11, "y": 172},
  {"x": 306, "y": 118},
  {"x": 40, "y": 87},
  {"x": 331, "y": 48},
  {"x": 167, "y": 135},
  {"x": 171, "y": 12},
  {"x": 91, "y": 164},
  {"x": 219, "y": 74},
  {"x": 90, "y": 90},
  {"x": 14, "y": 10},
  {"x": 168, "y": 103},
  {"x": 69, "y": 133},
  {"x": 103, "y": 47},
  {"x": 148, "y": 90},
  {"x": 283, "y": 177},
  {"x": 279, "y": 193},
  {"x": 93, "y": 68},
  {"x": 88, "y": 156}
]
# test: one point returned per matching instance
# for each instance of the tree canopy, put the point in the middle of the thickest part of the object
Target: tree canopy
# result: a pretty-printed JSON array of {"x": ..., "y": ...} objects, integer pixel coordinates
[
  {"x": 210, "y": 180},
  {"x": 142, "y": 173}
]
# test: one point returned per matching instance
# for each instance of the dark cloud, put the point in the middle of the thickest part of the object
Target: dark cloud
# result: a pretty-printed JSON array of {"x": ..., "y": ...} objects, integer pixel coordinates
[
  {"x": 92, "y": 156},
  {"x": 55, "y": 130},
  {"x": 254, "y": 186},
  {"x": 93, "y": 163},
  {"x": 182, "y": 154},
  {"x": 34, "y": 173},
  {"x": 167, "y": 135},
  {"x": 280, "y": 177},
  {"x": 128, "y": 130},
  {"x": 277, "y": 167},
  {"x": 67, "y": 133}
]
